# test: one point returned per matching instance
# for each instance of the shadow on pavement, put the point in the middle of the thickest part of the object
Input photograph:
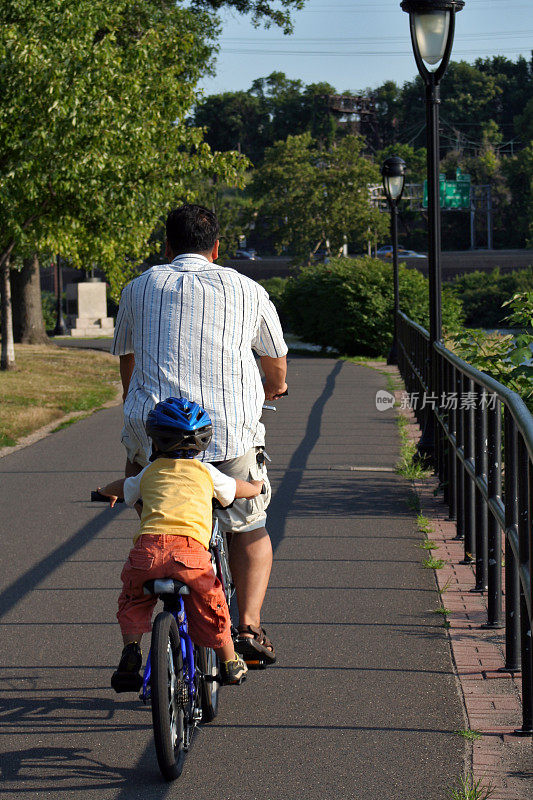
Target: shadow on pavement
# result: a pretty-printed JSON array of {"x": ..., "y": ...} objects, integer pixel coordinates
[
  {"x": 69, "y": 714},
  {"x": 61, "y": 767},
  {"x": 283, "y": 498},
  {"x": 27, "y": 582}
]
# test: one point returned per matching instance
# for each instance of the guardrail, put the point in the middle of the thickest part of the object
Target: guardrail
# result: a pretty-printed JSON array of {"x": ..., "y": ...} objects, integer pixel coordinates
[{"x": 471, "y": 456}]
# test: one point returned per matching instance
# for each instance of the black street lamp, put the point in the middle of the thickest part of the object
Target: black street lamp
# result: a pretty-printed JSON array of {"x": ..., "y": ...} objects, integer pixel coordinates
[
  {"x": 432, "y": 25},
  {"x": 393, "y": 173}
]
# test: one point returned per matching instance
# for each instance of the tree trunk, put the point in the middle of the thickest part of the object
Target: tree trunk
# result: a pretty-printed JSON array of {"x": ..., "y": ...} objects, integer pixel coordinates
[
  {"x": 28, "y": 322},
  {"x": 7, "y": 358}
]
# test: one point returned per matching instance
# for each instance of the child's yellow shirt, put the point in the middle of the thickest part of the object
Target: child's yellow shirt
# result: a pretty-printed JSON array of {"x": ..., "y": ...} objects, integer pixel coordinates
[{"x": 177, "y": 497}]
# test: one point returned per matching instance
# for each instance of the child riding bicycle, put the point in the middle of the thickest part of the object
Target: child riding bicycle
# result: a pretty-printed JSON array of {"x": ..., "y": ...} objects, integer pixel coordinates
[{"x": 176, "y": 491}]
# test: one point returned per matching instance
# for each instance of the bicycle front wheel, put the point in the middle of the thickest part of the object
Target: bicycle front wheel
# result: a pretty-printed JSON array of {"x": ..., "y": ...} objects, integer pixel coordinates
[{"x": 168, "y": 694}]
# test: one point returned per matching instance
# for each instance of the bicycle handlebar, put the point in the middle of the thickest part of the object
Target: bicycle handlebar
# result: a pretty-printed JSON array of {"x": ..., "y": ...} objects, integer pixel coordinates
[{"x": 97, "y": 497}]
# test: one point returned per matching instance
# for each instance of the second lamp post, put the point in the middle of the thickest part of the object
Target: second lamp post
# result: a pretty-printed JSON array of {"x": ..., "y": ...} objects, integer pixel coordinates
[
  {"x": 432, "y": 24},
  {"x": 393, "y": 173}
]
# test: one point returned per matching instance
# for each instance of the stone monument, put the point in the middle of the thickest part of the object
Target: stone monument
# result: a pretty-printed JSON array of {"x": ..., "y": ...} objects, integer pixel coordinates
[{"x": 87, "y": 309}]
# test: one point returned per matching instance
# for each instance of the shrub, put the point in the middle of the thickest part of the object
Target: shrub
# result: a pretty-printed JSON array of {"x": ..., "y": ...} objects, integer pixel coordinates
[
  {"x": 276, "y": 287},
  {"x": 347, "y": 304},
  {"x": 507, "y": 358},
  {"x": 483, "y": 295},
  {"x": 48, "y": 302}
]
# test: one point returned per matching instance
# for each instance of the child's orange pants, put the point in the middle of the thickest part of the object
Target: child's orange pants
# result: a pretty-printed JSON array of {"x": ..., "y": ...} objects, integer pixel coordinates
[{"x": 187, "y": 560}]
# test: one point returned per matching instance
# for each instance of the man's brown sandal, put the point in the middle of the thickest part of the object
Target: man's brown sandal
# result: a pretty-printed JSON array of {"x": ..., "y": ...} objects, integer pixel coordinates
[{"x": 257, "y": 650}]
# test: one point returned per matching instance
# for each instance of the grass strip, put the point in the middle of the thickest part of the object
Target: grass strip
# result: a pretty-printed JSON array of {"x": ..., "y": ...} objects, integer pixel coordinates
[{"x": 50, "y": 382}]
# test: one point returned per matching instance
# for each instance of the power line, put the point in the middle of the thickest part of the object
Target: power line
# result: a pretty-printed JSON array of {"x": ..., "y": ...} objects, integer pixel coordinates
[
  {"x": 355, "y": 54},
  {"x": 388, "y": 8},
  {"x": 367, "y": 39}
]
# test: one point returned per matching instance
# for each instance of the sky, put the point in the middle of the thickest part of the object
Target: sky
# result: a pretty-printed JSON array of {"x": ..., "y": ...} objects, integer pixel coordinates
[{"x": 359, "y": 44}]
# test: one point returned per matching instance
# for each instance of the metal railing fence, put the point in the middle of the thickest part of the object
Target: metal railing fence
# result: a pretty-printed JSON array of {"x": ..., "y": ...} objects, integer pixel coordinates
[{"x": 473, "y": 452}]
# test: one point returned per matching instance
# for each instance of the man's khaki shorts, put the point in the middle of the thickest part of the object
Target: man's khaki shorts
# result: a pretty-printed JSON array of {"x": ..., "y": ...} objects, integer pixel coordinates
[{"x": 246, "y": 515}]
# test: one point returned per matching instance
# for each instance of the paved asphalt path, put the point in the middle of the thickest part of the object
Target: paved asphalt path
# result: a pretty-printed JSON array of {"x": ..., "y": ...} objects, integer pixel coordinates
[{"x": 362, "y": 702}]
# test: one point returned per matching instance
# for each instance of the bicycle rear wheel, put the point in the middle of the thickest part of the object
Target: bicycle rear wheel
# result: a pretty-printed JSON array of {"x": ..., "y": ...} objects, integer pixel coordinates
[
  {"x": 208, "y": 664},
  {"x": 168, "y": 693}
]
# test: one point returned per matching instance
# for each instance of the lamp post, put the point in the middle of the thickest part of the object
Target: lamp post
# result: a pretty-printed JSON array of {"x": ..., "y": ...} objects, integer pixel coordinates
[
  {"x": 59, "y": 329},
  {"x": 432, "y": 24},
  {"x": 393, "y": 173}
]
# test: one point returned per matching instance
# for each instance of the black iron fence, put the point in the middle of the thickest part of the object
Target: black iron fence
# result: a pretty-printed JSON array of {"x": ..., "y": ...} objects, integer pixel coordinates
[{"x": 484, "y": 461}]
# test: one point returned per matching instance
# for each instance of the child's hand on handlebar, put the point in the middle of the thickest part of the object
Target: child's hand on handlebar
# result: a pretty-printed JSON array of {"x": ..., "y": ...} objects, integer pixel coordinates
[
  {"x": 112, "y": 497},
  {"x": 247, "y": 489},
  {"x": 113, "y": 490}
]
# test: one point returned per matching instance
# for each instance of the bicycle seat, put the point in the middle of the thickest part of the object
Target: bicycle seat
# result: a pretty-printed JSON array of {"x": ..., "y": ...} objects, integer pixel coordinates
[{"x": 165, "y": 586}]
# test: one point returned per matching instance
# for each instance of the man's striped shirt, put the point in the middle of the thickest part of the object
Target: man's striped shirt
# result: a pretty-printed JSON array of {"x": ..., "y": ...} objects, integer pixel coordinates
[{"x": 193, "y": 327}]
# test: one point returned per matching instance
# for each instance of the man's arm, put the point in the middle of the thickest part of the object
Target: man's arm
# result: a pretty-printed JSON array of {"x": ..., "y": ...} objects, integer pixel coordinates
[
  {"x": 275, "y": 370},
  {"x": 127, "y": 363}
]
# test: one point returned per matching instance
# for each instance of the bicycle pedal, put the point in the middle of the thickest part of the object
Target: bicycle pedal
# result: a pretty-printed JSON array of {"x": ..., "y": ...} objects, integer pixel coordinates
[
  {"x": 255, "y": 663},
  {"x": 212, "y": 678}
]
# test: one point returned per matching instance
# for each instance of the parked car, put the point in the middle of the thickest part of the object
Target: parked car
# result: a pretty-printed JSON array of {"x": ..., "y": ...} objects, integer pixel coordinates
[
  {"x": 410, "y": 254},
  {"x": 386, "y": 252},
  {"x": 247, "y": 255}
]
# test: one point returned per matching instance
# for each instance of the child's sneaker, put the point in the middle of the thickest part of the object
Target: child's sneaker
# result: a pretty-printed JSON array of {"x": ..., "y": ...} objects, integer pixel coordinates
[
  {"x": 233, "y": 672},
  {"x": 127, "y": 677}
]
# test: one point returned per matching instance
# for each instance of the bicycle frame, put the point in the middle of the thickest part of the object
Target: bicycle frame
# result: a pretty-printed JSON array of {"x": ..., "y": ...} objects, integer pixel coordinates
[{"x": 177, "y": 609}]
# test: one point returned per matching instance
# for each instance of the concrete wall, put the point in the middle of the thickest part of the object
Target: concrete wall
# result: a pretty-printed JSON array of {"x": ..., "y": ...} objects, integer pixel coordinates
[{"x": 453, "y": 263}]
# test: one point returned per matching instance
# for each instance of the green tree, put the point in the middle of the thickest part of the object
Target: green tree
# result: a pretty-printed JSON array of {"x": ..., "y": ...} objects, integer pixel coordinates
[
  {"x": 519, "y": 173},
  {"x": 524, "y": 122},
  {"x": 262, "y": 11},
  {"x": 293, "y": 107},
  {"x": 307, "y": 194},
  {"x": 90, "y": 133},
  {"x": 389, "y": 111},
  {"x": 514, "y": 80},
  {"x": 272, "y": 109},
  {"x": 472, "y": 95},
  {"x": 93, "y": 141},
  {"x": 234, "y": 121}
]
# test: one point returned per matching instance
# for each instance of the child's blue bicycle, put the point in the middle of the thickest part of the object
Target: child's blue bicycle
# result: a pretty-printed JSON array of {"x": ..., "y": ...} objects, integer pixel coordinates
[{"x": 181, "y": 680}]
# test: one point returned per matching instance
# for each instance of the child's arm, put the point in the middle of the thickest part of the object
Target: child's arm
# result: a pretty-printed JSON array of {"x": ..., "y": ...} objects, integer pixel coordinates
[
  {"x": 227, "y": 489},
  {"x": 113, "y": 490},
  {"x": 247, "y": 489}
]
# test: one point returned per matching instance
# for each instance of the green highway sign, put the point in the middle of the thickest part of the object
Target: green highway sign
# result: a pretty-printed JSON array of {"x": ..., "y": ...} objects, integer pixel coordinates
[{"x": 453, "y": 194}]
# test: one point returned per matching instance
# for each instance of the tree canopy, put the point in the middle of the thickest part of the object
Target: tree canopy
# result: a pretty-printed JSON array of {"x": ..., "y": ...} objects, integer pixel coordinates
[
  {"x": 94, "y": 146},
  {"x": 261, "y": 10},
  {"x": 486, "y": 130},
  {"x": 307, "y": 194},
  {"x": 93, "y": 143},
  {"x": 272, "y": 109}
]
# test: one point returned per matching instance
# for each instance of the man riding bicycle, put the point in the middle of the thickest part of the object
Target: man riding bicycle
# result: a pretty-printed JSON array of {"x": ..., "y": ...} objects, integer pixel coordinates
[{"x": 190, "y": 328}]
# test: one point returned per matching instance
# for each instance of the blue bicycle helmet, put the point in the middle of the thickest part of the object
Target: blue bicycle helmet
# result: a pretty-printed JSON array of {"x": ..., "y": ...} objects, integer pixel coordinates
[{"x": 177, "y": 425}]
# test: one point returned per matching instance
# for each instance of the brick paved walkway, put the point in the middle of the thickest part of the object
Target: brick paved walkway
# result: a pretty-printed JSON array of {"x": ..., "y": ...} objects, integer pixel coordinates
[{"x": 500, "y": 758}]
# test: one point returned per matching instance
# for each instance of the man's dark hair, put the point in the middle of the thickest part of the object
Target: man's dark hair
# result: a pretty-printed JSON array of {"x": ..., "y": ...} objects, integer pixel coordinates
[{"x": 191, "y": 229}]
